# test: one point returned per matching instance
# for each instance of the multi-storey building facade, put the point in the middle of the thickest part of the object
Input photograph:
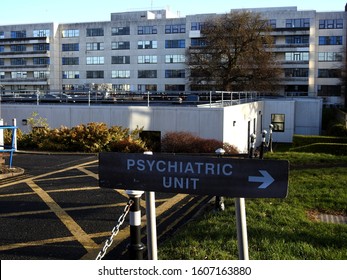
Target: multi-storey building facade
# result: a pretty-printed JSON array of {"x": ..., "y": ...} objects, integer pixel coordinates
[{"x": 145, "y": 51}]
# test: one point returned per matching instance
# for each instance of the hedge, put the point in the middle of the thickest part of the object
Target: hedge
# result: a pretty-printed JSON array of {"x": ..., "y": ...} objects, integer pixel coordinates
[
  {"x": 326, "y": 148},
  {"x": 305, "y": 140}
]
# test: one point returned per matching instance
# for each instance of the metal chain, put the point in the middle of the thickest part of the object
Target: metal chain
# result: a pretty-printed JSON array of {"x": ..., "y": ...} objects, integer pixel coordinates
[{"x": 115, "y": 230}]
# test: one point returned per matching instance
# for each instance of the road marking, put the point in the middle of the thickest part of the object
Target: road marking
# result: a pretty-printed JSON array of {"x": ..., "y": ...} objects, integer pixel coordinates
[
  {"x": 88, "y": 172},
  {"x": 70, "y": 223},
  {"x": 33, "y": 178}
]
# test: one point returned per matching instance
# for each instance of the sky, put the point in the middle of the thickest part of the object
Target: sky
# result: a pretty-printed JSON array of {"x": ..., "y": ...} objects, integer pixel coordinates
[{"x": 71, "y": 11}]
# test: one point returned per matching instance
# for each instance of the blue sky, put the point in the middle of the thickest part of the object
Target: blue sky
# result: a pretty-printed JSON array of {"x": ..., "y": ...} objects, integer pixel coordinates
[{"x": 69, "y": 11}]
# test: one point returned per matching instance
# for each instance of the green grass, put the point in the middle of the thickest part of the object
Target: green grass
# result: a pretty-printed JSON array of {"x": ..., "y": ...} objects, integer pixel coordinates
[{"x": 277, "y": 228}]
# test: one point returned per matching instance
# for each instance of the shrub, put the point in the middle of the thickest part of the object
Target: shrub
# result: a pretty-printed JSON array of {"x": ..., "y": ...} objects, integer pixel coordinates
[
  {"x": 186, "y": 142},
  {"x": 304, "y": 140},
  {"x": 325, "y": 148},
  {"x": 93, "y": 137},
  {"x": 338, "y": 130}
]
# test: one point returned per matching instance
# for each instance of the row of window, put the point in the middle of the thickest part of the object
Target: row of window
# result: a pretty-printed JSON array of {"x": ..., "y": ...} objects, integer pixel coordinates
[
  {"x": 24, "y": 75},
  {"x": 26, "y": 61},
  {"x": 169, "y": 28},
  {"x": 140, "y": 87},
  {"x": 24, "y": 48},
  {"x": 125, "y": 74},
  {"x": 305, "y": 23},
  {"x": 322, "y": 56},
  {"x": 23, "y": 33},
  {"x": 303, "y": 73},
  {"x": 124, "y": 59}
]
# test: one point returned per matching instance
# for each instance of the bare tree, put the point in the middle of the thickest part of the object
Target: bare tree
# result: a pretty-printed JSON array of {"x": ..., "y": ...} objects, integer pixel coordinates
[{"x": 234, "y": 54}]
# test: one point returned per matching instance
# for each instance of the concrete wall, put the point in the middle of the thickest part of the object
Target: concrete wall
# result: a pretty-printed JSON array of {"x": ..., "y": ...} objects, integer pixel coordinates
[
  {"x": 204, "y": 122},
  {"x": 231, "y": 124},
  {"x": 287, "y": 108}
]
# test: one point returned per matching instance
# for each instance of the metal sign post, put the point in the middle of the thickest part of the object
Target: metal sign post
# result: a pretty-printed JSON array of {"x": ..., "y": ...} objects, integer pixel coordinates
[{"x": 241, "y": 228}]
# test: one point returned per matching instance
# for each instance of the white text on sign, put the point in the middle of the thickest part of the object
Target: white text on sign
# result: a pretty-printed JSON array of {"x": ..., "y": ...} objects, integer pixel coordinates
[{"x": 184, "y": 169}]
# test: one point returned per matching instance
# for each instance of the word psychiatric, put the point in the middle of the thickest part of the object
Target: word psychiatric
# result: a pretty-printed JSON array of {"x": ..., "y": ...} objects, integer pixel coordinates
[{"x": 196, "y": 168}]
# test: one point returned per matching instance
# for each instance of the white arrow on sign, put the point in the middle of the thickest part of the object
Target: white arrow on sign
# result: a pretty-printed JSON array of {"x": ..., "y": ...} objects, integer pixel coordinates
[{"x": 266, "y": 179}]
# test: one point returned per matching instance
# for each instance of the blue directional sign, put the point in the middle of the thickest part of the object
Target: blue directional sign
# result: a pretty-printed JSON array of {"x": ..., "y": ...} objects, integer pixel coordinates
[{"x": 249, "y": 178}]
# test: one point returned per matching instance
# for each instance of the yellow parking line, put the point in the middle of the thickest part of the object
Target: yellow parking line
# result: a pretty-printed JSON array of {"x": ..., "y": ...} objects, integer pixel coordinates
[
  {"x": 61, "y": 178},
  {"x": 48, "y": 174},
  {"x": 72, "y": 226},
  {"x": 14, "y": 214},
  {"x": 89, "y": 173}
]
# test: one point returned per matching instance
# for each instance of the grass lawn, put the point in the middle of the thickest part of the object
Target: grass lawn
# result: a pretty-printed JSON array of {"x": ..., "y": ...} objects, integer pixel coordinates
[{"x": 279, "y": 229}]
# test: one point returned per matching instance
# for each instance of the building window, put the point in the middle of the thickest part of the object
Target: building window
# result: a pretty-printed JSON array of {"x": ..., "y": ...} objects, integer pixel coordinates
[
  {"x": 297, "y": 56},
  {"x": 147, "y": 59},
  {"x": 151, "y": 29},
  {"x": 18, "y": 48},
  {"x": 329, "y": 56},
  {"x": 95, "y": 74},
  {"x": 278, "y": 121},
  {"x": 2, "y": 35},
  {"x": 196, "y": 25},
  {"x": 18, "y": 34},
  {"x": 120, "y": 30},
  {"x": 121, "y": 87},
  {"x": 175, "y": 28},
  {"x": 146, "y": 88},
  {"x": 41, "y": 74},
  {"x": 175, "y": 73},
  {"x": 297, "y": 39},
  {"x": 18, "y": 61},
  {"x": 171, "y": 44},
  {"x": 121, "y": 45},
  {"x": 330, "y": 40},
  {"x": 272, "y": 23},
  {"x": 298, "y": 23},
  {"x": 296, "y": 72},
  {"x": 329, "y": 90},
  {"x": 198, "y": 42},
  {"x": 2, "y": 48},
  {"x": 141, "y": 74},
  {"x": 71, "y": 74},
  {"x": 41, "y": 60},
  {"x": 175, "y": 87},
  {"x": 331, "y": 24},
  {"x": 141, "y": 45},
  {"x": 95, "y": 46},
  {"x": 70, "y": 33},
  {"x": 95, "y": 32},
  {"x": 95, "y": 60},
  {"x": 121, "y": 59},
  {"x": 41, "y": 33},
  {"x": 175, "y": 58},
  {"x": 121, "y": 74},
  {"x": 329, "y": 73},
  {"x": 40, "y": 47},
  {"x": 70, "y": 61},
  {"x": 19, "y": 75},
  {"x": 70, "y": 47}
]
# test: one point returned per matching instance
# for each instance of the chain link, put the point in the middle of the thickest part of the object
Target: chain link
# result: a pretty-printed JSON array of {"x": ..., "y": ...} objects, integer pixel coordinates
[{"x": 115, "y": 230}]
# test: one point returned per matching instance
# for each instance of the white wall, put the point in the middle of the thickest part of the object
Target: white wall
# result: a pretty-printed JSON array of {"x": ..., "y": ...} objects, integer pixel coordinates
[
  {"x": 308, "y": 115},
  {"x": 240, "y": 121},
  {"x": 231, "y": 124},
  {"x": 286, "y": 107}
]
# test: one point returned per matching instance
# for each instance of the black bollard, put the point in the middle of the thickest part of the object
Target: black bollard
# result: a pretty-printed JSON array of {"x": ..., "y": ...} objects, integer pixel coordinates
[{"x": 136, "y": 248}]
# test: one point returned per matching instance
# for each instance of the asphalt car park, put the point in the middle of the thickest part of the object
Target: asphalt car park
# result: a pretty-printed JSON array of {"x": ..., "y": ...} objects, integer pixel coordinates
[{"x": 56, "y": 210}]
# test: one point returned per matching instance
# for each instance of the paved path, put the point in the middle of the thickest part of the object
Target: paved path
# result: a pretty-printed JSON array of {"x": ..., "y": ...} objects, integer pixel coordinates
[{"x": 56, "y": 210}]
